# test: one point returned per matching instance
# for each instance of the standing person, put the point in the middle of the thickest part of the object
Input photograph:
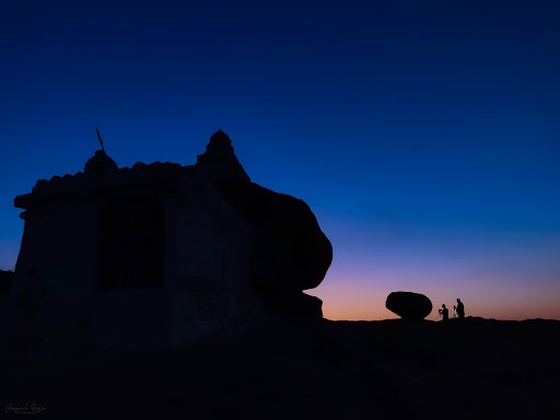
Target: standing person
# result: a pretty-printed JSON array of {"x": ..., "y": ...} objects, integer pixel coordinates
[
  {"x": 460, "y": 308},
  {"x": 444, "y": 312}
]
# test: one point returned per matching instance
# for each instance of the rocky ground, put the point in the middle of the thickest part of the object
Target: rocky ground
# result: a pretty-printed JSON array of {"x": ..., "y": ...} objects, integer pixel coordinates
[{"x": 471, "y": 368}]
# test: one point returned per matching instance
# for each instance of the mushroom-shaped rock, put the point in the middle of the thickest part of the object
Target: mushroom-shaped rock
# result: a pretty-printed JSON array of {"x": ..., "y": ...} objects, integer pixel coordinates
[
  {"x": 290, "y": 251},
  {"x": 409, "y": 305}
]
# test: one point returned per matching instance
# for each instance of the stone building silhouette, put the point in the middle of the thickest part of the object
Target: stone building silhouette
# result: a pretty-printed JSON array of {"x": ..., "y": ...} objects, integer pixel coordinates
[{"x": 157, "y": 255}]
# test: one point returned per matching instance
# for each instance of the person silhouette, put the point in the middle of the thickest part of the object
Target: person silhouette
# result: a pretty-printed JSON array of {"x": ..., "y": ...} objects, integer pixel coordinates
[
  {"x": 460, "y": 308},
  {"x": 444, "y": 312}
]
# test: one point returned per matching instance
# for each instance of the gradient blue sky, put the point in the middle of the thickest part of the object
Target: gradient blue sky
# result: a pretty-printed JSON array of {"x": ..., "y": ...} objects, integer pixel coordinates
[{"x": 424, "y": 135}]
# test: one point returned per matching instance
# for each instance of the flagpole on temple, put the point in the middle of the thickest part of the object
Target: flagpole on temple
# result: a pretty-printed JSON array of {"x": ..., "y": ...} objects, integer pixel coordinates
[{"x": 99, "y": 138}]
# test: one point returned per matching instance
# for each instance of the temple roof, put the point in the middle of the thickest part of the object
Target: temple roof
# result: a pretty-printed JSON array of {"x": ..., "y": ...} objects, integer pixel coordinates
[
  {"x": 100, "y": 164},
  {"x": 101, "y": 174}
]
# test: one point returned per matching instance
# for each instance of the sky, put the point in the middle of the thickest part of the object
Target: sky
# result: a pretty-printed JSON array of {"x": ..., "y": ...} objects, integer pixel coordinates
[{"x": 424, "y": 135}]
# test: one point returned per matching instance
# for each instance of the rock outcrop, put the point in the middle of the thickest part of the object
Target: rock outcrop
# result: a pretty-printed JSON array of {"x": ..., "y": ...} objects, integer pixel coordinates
[
  {"x": 409, "y": 305},
  {"x": 290, "y": 253}
]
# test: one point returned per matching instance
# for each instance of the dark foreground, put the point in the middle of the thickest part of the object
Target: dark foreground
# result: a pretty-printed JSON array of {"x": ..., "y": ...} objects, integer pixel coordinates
[{"x": 470, "y": 368}]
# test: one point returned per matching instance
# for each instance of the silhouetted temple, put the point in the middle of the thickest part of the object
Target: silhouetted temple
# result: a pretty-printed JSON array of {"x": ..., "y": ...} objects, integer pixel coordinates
[{"x": 156, "y": 255}]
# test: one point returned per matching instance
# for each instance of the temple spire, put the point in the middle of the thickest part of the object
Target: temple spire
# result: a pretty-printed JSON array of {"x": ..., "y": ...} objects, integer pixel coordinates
[{"x": 219, "y": 160}]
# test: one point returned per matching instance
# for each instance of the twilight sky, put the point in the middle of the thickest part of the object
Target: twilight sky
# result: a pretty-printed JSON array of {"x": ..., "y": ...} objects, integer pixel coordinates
[{"x": 425, "y": 135}]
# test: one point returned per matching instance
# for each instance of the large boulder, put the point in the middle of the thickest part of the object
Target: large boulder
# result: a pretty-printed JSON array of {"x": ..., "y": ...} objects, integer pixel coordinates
[
  {"x": 291, "y": 253},
  {"x": 409, "y": 305}
]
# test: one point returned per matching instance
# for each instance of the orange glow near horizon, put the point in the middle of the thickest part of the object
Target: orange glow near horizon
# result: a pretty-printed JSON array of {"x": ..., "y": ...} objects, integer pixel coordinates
[
  {"x": 500, "y": 275},
  {"x": 365, "y": 300}
]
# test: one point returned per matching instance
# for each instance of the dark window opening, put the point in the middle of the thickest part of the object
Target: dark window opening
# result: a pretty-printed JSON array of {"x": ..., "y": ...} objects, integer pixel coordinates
[{"x": 130, "y": 245}]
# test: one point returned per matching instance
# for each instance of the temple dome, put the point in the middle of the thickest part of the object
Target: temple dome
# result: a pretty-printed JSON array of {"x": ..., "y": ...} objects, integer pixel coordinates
[
  {"x": 101, "y": 163},
  {"x": 219, "y": 143}
]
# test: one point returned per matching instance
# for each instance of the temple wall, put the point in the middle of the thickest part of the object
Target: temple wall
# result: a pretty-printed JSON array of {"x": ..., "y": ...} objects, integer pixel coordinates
[
  {"x": 131, "y": 319},
  {"x": 206, "y": 277},
  {"x": 209, "y": 248},
  {"x": 58, "y": 251},
  {"x": 154, "y": 318},
  {"x": 8, "y": 320}
]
